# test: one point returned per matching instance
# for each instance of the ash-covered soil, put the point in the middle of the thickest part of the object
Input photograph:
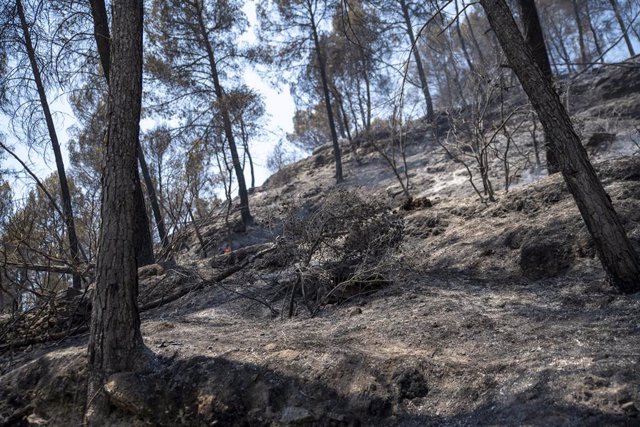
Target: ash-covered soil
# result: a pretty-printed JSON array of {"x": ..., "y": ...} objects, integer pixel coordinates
[{"x": 491, "y": 313}]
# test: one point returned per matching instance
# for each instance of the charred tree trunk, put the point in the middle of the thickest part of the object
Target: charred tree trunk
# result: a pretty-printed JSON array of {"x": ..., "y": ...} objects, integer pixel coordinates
[
  {"x": 594, "y": 33},
  {"x": 581, "y": 44},
  {"x": 144, "y": 241},
  {"x": 115, "y": 341},
  {"x": 247, "y": 219},
  {"x": 327, "y": 99},
  {"x": 153, "y": 198},
  {"x": 247, "y": 151},
  {"x": 623, "y": 28},
  {"x": 67, "y": 208},
  {"x": 534, "y": 38},
  {"x": 416, "y": 56},
  {"x": 620, "y": 261}
]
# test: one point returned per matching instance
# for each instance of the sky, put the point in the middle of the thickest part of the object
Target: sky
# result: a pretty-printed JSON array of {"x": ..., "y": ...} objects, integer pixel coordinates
[
  {"x": 278, "y": 102},
  {"x": 279, "y": 108}
]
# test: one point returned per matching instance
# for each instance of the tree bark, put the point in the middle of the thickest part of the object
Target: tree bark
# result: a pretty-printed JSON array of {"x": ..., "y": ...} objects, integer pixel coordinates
[
  {"x": 327, "y": 97},
  {"x": 115, "y": 341},
  {"x": 581, "y": 44},
  {"x": 67, "y": 208},
  {"x": 621, "y": 263},
  {"x": 245, "y": 213},
  {"x": 416, "y": 56},
  {"x": 625, "y": 32},
  {"x": 144, "y": 241},
  {"x": 153, "y": 198},
  {"x": 534, "y": 38},
  {"x": 594, "y": 33}
]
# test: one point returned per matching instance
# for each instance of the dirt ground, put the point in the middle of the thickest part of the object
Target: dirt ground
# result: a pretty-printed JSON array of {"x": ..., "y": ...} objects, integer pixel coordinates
[{"x": 493, "y": 314}]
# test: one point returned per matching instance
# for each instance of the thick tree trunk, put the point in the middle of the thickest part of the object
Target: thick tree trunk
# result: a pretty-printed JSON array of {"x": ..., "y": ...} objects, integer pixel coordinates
[
  {"x": 534, "y": 38},
  {"x": 144, "y": 241},
  {"x": 620, "y": 261},
  {"x": 67, "y": 208},
  {"x": 115, "y": 341},
  {"x": 416, "y": 56},
  {"x": 623, "y": 28},
  {"x": 327, "y": 100},
  {"x": 245, "y": 213}
]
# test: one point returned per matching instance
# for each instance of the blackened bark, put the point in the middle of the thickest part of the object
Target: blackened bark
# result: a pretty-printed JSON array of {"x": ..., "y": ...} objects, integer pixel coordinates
[
  {"x": 416, "y": 56},
  {"x": 67, "y": 207},
  {"x": 245, "y": 213},
  {"x": 534, "y": 38},
  {"x": 621, "y": 263},
  {"x": 594, "y": 33},
  {"x": 327, "y": 97},
  {"x": 115, "y": 341},
  {"x": 153, "y": 198},
  {"x": 581, "y": 44},
  {"x": 144, "y": 241},
  {"x": 101, "y": 33}
]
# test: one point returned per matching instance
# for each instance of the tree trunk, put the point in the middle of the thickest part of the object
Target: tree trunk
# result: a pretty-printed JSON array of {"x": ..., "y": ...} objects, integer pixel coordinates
[
  {"x": 583, "y": 48},
  {"x": 623, "y": 28},
  {"x": 620, "y": 261},
  {"x": 247, "y": 219},
  {"x": 594, "y": 33},
  {"x": 245, "y": 143},
  {"x": 416, "y": 56},
  {"x": 67, "y": 208},
  {"x": 534, "y": 39},
  {"x": 474, "y": 39},
  {"x": 153, "y": 198},
  {"x": 463, "y": 44},
  {"x": 144, "y": 241},
  {"x": 367, "y": 82},
  {"x": 327, "y": 100},
  {"x": 115, "y": 341}
]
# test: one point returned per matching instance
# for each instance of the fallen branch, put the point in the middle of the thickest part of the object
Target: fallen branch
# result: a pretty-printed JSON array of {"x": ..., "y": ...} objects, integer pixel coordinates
[{"x": 145, "y": 307}]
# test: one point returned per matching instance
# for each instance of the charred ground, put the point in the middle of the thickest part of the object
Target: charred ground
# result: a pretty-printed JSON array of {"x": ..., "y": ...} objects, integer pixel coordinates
[{"x": 482, "y": 313}]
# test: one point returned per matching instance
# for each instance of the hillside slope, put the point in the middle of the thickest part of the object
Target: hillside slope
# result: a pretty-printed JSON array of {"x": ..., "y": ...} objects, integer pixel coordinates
[{"x": 485, "y": 313}]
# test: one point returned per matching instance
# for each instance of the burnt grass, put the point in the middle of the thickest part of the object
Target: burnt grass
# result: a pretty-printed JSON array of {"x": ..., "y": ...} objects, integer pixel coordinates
[{"x": 488, "y": 314}]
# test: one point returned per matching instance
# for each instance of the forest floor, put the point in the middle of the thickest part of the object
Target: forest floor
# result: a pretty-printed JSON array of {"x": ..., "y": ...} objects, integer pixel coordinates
[{"x": 493, "y": 314}]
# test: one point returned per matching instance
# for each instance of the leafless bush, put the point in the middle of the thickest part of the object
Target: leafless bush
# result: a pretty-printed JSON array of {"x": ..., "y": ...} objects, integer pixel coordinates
[
  {"x": 337, "y": 250},
  {"x": 481, "y": 138}
]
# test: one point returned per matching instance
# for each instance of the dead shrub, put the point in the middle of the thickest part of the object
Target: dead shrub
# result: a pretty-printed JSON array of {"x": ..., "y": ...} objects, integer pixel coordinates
[{"x": 339, "y": 249}]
